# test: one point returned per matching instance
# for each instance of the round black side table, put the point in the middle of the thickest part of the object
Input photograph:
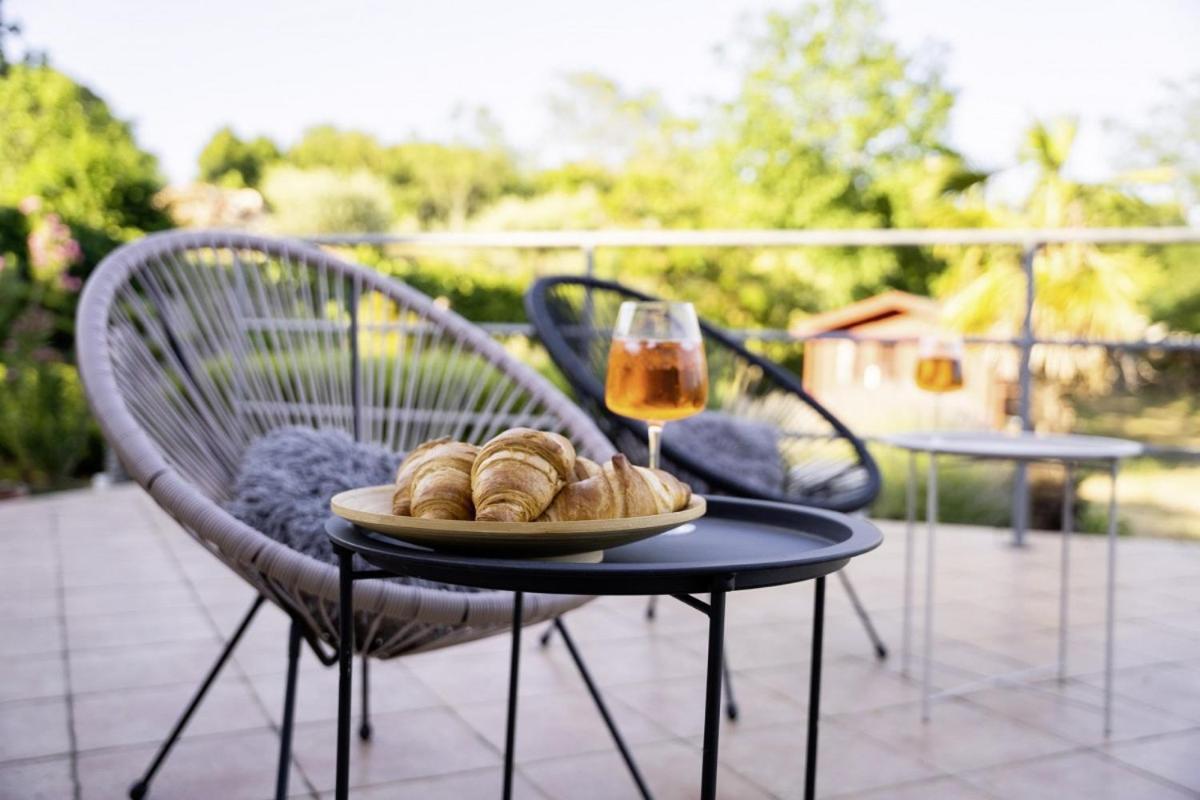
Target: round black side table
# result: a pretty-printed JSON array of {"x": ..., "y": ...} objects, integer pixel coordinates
[{"x": 739, "y": 544}]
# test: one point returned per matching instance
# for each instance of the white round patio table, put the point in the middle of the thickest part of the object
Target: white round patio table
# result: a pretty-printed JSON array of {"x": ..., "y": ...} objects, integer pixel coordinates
[{"x": 1068, "y": 450}]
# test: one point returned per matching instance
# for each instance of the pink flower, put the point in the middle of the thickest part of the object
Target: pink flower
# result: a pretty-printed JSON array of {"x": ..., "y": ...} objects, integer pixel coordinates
[
  {"x": 30, "y": 205},
  {"x": 51, "y": 249},
  {"x": 69, "y": 283}
]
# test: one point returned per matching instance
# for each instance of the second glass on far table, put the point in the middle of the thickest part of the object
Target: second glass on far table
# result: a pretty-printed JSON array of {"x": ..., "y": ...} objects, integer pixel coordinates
[
  {"x": 939, "y": 368},
  {"x": 656, "y": 367}
]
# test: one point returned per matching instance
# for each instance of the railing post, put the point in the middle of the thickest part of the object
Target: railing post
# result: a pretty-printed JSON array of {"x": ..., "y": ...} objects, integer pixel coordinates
[
  {"x": 355, "y": 365},
  {"x": 589, "y": 260},
  {"x": 1020, "y": 506}
]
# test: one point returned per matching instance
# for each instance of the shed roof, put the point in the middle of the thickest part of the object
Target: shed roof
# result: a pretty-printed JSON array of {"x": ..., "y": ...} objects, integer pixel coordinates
[{"x": 872, "y": 310}]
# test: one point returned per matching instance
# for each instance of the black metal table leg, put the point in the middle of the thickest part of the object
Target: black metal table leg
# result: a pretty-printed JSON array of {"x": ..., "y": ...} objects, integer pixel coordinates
[
  {"x": 514, "y": 668},
  {"x": 345, "y": 668},
  {"x": 814, "y": 690},
  {"x": 712, "y": 695}
]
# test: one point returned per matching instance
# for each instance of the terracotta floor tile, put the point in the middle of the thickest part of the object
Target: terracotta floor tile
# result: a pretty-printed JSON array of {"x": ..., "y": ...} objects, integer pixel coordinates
[
  {"x": 1172, "y": 757},
  {"x": 233, "y": 766},
  {"x": 32, "y": 728},
  {"x": 139, "y": 716},
  {"x": 1074, "y": 775},
  {"x": 46, "y": 779},
  {"x": 671, "y": 769},
  {"x": 411, "y": 744}
]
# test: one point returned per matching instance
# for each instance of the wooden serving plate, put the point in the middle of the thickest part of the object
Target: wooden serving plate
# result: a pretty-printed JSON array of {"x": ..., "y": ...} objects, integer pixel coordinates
[{"x": 583, "y": 540}]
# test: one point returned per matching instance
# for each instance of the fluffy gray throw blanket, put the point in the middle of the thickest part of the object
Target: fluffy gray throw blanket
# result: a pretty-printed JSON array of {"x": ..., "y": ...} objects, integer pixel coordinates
[
  {"x": 743, "y": 448},
  {"x": 288, "y": 476}
]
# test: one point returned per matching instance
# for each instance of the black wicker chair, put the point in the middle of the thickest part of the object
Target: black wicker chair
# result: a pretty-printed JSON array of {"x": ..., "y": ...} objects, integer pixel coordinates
[{"x": 826, "y": 465}]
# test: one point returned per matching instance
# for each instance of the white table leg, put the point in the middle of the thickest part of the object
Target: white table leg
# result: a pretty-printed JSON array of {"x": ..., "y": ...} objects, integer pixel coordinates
[
  {"x": 1064, "y": 591},
  {"x": 910, "y": 495},
  {"x": 1110, "y": 611},
  {"x": 931, "y": 503}
]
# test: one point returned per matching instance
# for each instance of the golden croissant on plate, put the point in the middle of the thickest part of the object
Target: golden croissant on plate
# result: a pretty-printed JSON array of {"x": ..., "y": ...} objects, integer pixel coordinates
[
  {"x": 402, "y": 498},
  {"x": 620, "y": 489},
  {"x": 584, "y": 468},
  {"x": 441, "y": 481},
  {"x": 519, "y": 472}
]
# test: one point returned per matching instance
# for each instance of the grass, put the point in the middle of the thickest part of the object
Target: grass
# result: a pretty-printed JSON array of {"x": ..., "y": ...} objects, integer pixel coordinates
[
  {"x": 1159, "y": 496},
  {"x": 980, "y": 493}
]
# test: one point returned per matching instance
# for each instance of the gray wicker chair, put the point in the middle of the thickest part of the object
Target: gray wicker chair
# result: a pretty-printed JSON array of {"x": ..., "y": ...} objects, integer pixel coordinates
[{"x": 192, "y": 345}]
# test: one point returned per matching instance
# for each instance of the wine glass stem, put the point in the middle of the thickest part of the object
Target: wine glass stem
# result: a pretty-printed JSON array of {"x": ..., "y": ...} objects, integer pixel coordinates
[{"x": 654, "y": 441}]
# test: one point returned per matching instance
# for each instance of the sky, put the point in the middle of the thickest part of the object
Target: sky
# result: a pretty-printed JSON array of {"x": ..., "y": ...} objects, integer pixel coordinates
[{"x": 180, "y": 69}]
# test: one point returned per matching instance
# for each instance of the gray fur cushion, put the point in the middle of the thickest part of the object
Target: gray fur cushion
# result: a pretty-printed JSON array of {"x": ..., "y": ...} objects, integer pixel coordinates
[
  {"x": 744, "y": 449},
  {"x": 288, "y": 476}
]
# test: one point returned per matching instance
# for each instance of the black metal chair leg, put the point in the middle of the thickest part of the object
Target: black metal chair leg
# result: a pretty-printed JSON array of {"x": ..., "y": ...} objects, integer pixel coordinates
[
  {"x": 881, "y": 651},
  {"x": 548, "y": 634},
  {"x": 138, "y": 790},
  {"x": 364, "y": 726},
  {"x": 731, "y": 706},
  {"x": 603, "y": 709},
  {"x": 289, "y": 712}
]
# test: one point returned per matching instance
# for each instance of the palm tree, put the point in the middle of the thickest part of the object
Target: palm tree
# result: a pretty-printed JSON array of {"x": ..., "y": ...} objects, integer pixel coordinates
[{"x": 1082, "y": 291}]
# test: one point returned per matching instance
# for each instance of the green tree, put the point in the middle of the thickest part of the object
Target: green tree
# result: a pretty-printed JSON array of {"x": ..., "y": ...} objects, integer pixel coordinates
[
  {"x": 445, "y": 184},
  {"x": 433, "y": 184},
  {"x": 831, "y": 123},
  {"x": 318, "y": 201},
  {"x": 832, "y": 126},
  {"x": 327, "y": 147},
  {"x": 228, "y": 160},
  {"x": 1081, "y": 290},
  {"x": 1164, "y": 153},
  {"x": 1165, "y": 148},
  {"x": 60, "y": 142}
]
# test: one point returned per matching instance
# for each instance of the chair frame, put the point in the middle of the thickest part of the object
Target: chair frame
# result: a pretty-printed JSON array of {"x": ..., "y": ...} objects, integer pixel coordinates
[
  {"x": 589, "y": 387},
  {"x": 585, "y": 383},
  {"x": 276, "y": 572}
]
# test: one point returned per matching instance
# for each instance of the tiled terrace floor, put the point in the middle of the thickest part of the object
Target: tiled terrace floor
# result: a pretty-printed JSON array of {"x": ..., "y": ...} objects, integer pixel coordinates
[{"x": 109, "y": 616}]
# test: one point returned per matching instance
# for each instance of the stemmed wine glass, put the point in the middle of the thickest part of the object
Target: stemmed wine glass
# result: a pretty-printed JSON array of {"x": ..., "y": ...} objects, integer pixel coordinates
[
  {"x": 939, "y": 368},
  {"x": 656, "y": 367}
]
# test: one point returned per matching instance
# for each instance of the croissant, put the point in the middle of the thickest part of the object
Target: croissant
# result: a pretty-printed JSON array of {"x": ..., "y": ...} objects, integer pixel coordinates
[
  {"x": 518, "y": 472},
  {"x": 402, "y": 499},
  {"x": 584, "y": 468},
  {"x": 620, "y": 490},
  {"x": 441, "y": 484}
]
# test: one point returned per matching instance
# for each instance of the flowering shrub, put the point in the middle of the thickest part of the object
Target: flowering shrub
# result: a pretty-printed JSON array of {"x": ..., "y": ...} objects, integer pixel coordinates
[
  {"x": 52, "y": 251},
  {"x": 46, "y": 432},
  {"x": 45, "y": 428}
]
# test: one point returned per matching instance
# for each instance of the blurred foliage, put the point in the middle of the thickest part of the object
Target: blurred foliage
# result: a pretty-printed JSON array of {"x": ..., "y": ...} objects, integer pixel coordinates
[
  {"x": 980, "y": 493},
  {"x": 1165, "y": 149},
  {"x": 73, "y": 185},
  {"x": 431, "y": 184},
  {"x": 59, "y": 142},
  {"x": 236, "y": 163},
  {"x": 831, "y": 125},
  {"x": 46, "y": 430},
  {"x": 323, "y": 201}
]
